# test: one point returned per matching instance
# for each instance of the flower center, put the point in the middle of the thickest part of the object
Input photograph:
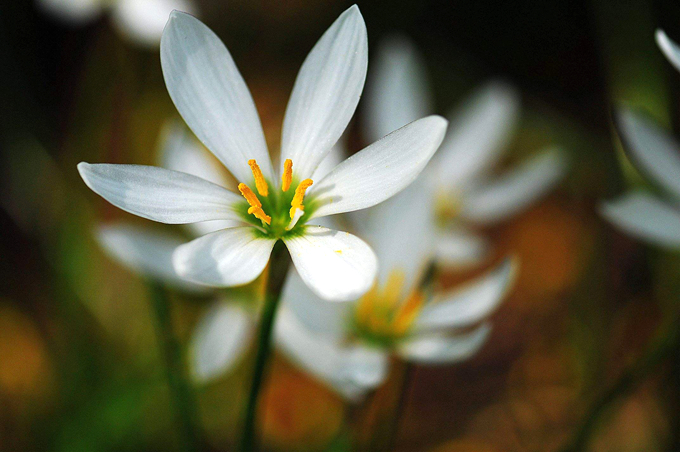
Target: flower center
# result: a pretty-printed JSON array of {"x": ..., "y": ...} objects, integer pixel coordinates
[
  {"x": 278, "y": 212},
  {"x": 384, "y": 315}
]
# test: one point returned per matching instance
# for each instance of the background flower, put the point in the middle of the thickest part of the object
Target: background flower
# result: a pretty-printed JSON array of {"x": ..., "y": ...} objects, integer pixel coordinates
[
  {"x": 466, "y": 191},
  {"x": 347, "y": 344},
  {"x": 140, "y": 21}
]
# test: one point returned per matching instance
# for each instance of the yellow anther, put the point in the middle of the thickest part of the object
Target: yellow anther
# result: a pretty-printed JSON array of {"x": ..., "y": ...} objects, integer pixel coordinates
[
  {"x": 259, "y": 213},
  {"x": 296, "y": 203},
  {"x": 407, "y": 313},
  {"x": 366, "y": 306},
  {"x": 249, "y": 195},
  {"x": 255, "y": 204},
  {"x": 392, "y": 289},
  {"x": 287, "y": 176},
  {"x": 260, "y": 183}
]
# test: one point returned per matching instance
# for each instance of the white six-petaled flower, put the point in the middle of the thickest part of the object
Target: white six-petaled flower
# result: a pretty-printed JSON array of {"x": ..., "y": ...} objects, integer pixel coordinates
[
  {"x": 141, "y": 21},
  {"x": 213, "y": 99},
  {"x": 466, "y": 193},
  {"x": 224, "y": 331},
  {"x": 347, "y": 345},
  {"x": 657, "y": 154}
]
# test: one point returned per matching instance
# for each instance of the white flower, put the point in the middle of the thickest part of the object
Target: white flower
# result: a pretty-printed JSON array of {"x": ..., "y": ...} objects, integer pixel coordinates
[
  {"x": 347, "y": 345},
  {"x": 656, "y": 153},
  {"x": 225, "y": 330},
  {"x": 141, "y": 21},
  {"x": 669, "y": 48},
  {"x": 213, "y": 99},
  {"x": 466, "y": 193}
]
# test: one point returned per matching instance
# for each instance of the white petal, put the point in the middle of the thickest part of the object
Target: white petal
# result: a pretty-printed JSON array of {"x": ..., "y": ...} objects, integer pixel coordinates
[
  {"x": 143, "y": 21},
  {"x": 207, "y": 227},
  {"x": 459, "y": 248},
  {"x": 326, "y": 93},
  {"x": 397, "y": 91},
  {"x": 379, "y": 171},
  {"x": 180, "y": 152},
  {"x": 144, "y": 251},
  {"x": 516, "y": 190},
  {"x": 479, "y": 131},
  {"x": 400, "y": 231},
  {"x": 652, "y": 148},
  {"x": 319, "y": 316},
  {"x": 469, "y": 304},
  {"x": 364, "y": 366},
  {"x": 219, "y": 341},
  {"x": 439, "y": 349},
  {"x": 230, "y": 257},
  {"x": 337, "y": 155},
  {"x": 646, "y": 217},
  {"x": 211, "y": 96},
  {"x": 337, "y": 266},
  {"x": 669, "y": 48},
  {"x": 159, "y": 194},
  {"x": 349, "y": 370},
  {"x": 76, "y": 12}
]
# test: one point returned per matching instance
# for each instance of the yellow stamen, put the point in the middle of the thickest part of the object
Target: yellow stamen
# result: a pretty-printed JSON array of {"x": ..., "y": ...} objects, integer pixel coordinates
[
  {"x": 287, "y": 176},
  {"x": 296, "y": 203},
  {"x": 407, "y": 313},
  {"x": 366, "y": 306},
  {"x": 259, "y": 214},
  {"x": 260, "y": 183},
  {"x": 255, "y": 204},
  {"x": 392, "y": 289}
]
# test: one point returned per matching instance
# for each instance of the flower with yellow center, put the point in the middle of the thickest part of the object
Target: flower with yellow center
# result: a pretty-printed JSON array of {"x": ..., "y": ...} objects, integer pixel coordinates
[
  {"x": 213, "y": 99},
  {"x": 347, "y": 344}
]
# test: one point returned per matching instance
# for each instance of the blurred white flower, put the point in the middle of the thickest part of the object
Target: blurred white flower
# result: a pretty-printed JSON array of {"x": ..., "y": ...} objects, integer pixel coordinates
[
  {"x": 141, "y": 21},
  {"x": 225, "y": 330},
  {"x": 657, "y": 154},
  {"x": 669, "y": 48},
  {"x": 213, "y": 99},
  {"x": 460, "y": 174},
  {"x": 347, "y": 345}
]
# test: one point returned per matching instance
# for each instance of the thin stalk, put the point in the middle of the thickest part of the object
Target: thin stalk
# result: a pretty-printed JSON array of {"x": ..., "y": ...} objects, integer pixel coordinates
[
  {"x": 665, "y": 345},
  {"x": 381, "y": 420},
  {"x": 180, "y": 389},
  {"x": 393, "y": 427},
  {"x": 278, "y": 268}
]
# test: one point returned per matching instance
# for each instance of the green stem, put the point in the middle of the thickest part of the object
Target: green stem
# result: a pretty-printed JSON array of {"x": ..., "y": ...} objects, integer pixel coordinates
[
  {"x": 278, "y": 268},
  {"x": 180, "y": 389},
  {"x": 404, "y": 385},
  {"x": 381, "y": 420},
  {"x": 664, "y": 345}
]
